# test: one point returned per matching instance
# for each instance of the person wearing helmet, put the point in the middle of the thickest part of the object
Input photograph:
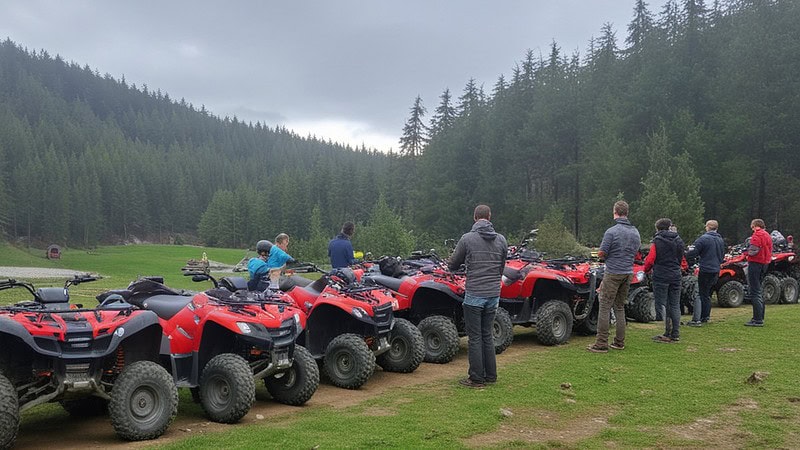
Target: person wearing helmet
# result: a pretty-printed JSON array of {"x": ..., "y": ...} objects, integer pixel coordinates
[{"x": 257, "y": 267}]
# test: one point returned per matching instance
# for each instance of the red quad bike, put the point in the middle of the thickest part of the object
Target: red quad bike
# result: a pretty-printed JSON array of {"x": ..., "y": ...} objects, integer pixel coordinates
[
  {"x": 785, "y": 267},
  {"x": 554, "y": 296},
  {"x": 88, "y": 360},
  {"x": 351, "y": 326},
  {"x": 778, "y": 284},
  {"x": 220, "y": 342},
  {"x": 432, "y": 297}
]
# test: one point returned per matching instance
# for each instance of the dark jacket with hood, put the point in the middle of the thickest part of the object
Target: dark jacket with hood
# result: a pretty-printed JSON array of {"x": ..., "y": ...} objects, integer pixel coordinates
[
  {"x": 484, "y": 252},
  {"x": 340, "y": 251},
  {"x": 666, "y": 254},
  {"x": 711, "y": 249}
]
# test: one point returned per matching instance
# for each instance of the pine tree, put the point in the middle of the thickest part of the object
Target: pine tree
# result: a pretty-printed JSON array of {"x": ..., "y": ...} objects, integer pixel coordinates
[
  {"x": 415, "y": 133},
  {"x": 444, "y": 116}
]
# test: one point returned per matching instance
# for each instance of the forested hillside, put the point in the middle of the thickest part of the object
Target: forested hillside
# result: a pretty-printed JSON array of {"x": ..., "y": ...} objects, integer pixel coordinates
[{"x": 696, "y": 116}]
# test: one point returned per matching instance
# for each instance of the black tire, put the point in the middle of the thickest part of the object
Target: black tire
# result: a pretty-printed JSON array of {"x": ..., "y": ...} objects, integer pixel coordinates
[
  {"x": 144, "y": 401},
  {"x": 440, "y": 338},
  {"x": 730, "y": 294},
  {"x": 297, "y": 384},
  {"x": 502, "y": 331},
  {"x": 588, "y": 326},
  {"x": 86, "y": 407},
  {"x": 771, "y": 290},
  {"x": 641, "y": 306},
  {"x": 689, "y": 291},
  {"x": 227, "y": 388},
  {"x": 790, "y": 289},
  {"x": 554, "y": 323},
  {"x": 9, "y": 413},
  {"x": 406, "y": 351},
  {"x": 348, "y": 361}
]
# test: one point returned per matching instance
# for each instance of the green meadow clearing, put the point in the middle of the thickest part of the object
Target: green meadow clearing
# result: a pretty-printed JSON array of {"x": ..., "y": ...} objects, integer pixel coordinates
[{"x": 691, "y": 394}]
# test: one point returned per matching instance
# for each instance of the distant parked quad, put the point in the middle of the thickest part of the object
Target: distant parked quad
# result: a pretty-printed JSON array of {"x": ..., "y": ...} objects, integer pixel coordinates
[{"x": 88, "y": 360}]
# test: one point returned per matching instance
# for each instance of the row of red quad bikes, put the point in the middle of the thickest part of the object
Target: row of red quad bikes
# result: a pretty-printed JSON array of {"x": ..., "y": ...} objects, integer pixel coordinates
[{"x": 128, "y": 356}]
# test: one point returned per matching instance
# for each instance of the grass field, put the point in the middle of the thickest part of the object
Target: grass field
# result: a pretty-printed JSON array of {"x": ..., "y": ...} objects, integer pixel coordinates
[{"x": 650, "y": 395}]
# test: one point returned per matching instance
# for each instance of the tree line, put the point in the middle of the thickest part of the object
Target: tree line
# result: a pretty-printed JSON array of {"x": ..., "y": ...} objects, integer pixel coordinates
[{"x": 695, "y": 117}]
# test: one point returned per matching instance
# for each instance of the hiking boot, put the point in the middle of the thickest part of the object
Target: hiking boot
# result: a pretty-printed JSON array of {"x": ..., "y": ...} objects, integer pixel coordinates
[
  {"x": 753, "y": 323},
  {"x": 617, "y": 346},
  {"x": 471, "y": 384},
  {"x": 694, "y": 323},
  {"x": 491, "y": 381},
  {"x": 595, "y": 349},
  {"x": 663, "y": 339}
]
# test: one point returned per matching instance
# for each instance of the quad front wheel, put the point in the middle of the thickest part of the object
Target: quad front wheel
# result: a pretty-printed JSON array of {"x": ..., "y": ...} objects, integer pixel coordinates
[
  {"x": 406, "y": 350},
  {"x": 144, "y": 400},
  {"x": 789, "y": 290},
  {"x": 554, "y": 323},
  {"x": 771, "y": 290},
  {"x": 730, "y": 294},
  {"x": 440, "y": 337},
  {"x": 297, "y": 384},
  {"x": 502, "y": 331},
  {"x": 641, "y": 306},
  {"x": 9, "y": 413},
  {"x": 348, "y": 361},
  {"x": 227, "y": 388}
]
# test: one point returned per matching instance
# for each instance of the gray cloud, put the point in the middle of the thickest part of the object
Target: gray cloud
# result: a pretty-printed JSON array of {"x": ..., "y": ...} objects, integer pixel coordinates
[{"x": 347, "y": 61}]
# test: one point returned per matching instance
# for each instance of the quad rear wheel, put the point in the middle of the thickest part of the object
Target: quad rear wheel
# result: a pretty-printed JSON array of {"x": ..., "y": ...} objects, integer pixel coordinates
[
  {"x": 689, "y": 291},
  {"x": 440, "y": 337},
  {"x": 406, "y": 351},
  {"x": 554, "y": 323},
  {"x": 502, "y": 331},
  {"x": 297, "y": 384},
  {"x": 730, "y": 294},
  {"x": 144, "y": 401},
  {"x": 348, "y": 361},
  {"x": 9, "y": 413},
  {"x": 227, "y": 388},
  {"x": 789, "y": 290}
]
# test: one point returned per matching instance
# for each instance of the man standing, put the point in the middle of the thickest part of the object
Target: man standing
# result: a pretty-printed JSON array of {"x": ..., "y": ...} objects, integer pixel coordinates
[
  {"x": 340, "y": 249},
  {"x": 619, "y": 247},
  {"x": 759, "y": 255},
  {"x": 483, "y": 251},
  {"x": 278, "y": 258},
  {"x": 664, "y": 259},
  {"x": 710, "y": 249}
]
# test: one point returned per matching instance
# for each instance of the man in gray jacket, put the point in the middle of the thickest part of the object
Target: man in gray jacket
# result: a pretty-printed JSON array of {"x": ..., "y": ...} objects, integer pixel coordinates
[
  {"x": 483, "y": 251},
  {"x": 619, "y": 247}
]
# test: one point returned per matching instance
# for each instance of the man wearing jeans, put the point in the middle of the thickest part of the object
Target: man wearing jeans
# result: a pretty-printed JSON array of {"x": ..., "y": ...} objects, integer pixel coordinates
[
  {"x": 483, "y": 251},
  {"x": 710, "y": 249},
  {"x": 619, "y": 247},
  {"x": 759, "y": 255},
  {"x": 664, "y": 259}
]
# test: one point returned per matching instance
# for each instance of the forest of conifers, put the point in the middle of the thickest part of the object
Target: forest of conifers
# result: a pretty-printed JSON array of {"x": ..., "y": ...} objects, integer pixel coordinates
[{"x": 694, "y": 113}]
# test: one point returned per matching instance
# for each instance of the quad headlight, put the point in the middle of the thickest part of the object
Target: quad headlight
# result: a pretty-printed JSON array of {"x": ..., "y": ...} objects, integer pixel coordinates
[{"x": 244, "y": 327}]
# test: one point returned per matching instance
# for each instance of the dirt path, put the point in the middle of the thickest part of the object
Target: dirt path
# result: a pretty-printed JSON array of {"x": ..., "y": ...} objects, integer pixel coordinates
[
  {"x": 72, "y": 433},
  {"x": 36, "y": 272}
]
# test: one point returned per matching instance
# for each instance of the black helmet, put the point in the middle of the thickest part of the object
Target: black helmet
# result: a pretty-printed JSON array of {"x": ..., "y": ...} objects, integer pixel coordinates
[{"x": 263, "y": 246}]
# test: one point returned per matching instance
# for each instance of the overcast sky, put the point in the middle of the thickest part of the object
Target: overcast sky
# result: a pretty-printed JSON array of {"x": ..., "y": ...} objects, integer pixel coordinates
[{"x": 341, "y": 69}]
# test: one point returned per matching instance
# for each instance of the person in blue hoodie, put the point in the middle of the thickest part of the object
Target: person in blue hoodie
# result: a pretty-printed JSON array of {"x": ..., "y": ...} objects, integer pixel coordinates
[
  {"x": 340, "y": 249},
  {"x": 710, "y": 249}
]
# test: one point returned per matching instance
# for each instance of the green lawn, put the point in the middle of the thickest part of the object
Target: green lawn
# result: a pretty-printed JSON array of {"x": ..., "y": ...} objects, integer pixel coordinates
[{"x": 690, "y": 394}]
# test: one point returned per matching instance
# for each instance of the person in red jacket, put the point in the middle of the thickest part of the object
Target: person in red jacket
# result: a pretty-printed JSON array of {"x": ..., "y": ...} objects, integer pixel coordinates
[{"x": 759, "y": 255}]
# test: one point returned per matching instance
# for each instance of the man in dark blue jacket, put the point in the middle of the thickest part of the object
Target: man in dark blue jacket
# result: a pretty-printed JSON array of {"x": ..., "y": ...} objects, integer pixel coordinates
[
  {"x": 340, "y": 249},
  {"x": 710, "y": 248}
]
